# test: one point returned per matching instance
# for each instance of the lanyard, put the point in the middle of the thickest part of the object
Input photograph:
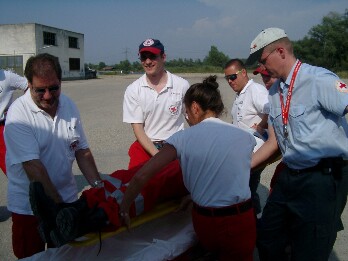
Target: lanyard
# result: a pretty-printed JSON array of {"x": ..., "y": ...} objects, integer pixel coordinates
[{"x": 286, "y": 107}]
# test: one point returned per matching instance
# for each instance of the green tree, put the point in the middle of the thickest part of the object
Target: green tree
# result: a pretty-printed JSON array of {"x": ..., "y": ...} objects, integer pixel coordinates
[
  {"x": 101, "y": 65},
  {"x": 125, "y": 66},
  {"x": 216, "y": 58},
  {"x": 326, "y": 44}
]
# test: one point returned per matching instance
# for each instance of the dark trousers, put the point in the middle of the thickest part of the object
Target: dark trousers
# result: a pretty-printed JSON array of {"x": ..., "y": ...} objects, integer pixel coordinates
[
  {"x": 253, "y": 184},
  {"x": 304, "y": 210}
]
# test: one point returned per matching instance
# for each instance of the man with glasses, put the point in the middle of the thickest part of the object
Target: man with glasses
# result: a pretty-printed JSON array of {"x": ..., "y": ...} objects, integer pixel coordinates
[
  {"x": 153, "y": 103},
  {"x": 43, "y": 135},
  {"x": 307, "y": 108},
  {"x": 249, "y": 112}
]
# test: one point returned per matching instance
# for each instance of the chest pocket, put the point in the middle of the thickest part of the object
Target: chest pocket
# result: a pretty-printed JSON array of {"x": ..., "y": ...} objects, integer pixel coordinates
[{"x": 296, "y": 119}]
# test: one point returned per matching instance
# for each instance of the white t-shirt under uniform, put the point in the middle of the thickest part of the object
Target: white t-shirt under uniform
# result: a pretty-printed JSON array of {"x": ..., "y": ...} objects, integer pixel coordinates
[
  {"x": 162, "y": 113},
  {"x": 30, "y": 133}
]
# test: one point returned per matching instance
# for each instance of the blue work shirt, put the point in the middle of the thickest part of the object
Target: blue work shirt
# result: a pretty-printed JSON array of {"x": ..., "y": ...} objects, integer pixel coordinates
[{"x": 317, "y": 127}]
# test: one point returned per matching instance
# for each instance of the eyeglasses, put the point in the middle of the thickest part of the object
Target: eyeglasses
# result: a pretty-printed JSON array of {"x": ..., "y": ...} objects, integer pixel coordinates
[
  {"x": 51, "y": 89},
  {"x": 232, "y": 77},
  {"x": 144, "y": 56},
  {"x": 264, "y": 60}
]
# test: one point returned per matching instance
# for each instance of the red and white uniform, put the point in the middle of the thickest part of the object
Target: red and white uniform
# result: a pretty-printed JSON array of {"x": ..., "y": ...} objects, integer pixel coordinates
[
  {"x": 215, "y": 158},
  {"x": 161, "y": 113}
]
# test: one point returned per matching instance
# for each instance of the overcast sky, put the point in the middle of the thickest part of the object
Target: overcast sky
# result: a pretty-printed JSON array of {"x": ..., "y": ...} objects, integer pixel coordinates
[{"x": 113, "y": 29}]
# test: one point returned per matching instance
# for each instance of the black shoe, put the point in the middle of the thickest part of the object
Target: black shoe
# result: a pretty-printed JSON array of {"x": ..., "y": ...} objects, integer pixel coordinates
[
  {"x": 57, "y": 239},
  {"x": 44, "y": 208},
  {"x": 72, "y": 223}
]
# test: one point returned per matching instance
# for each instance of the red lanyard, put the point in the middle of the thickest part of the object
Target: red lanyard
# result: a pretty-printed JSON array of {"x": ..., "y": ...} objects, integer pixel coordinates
[{"x": 285, "y": 109}]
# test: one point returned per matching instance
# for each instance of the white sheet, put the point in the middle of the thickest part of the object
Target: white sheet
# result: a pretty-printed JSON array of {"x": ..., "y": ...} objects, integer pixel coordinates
[{"x": 161, "y": 239}]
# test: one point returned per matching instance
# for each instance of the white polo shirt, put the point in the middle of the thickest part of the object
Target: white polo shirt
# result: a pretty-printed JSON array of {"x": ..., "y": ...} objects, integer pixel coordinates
[
  {"x": 250, "y": 105},
  {"x": 9, "y": 82},
  {"x": 162, "y": 113},
  {"x": 215, "y": 159},
  {"x": 30, "y": 133}
]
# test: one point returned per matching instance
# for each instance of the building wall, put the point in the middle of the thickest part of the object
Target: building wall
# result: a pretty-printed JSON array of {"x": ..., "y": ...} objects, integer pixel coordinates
[{"x": 27, "y": 39}]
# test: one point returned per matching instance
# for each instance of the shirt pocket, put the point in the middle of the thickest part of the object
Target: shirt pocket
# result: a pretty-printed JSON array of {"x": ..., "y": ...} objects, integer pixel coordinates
[
  {"x": 296, "y": 120},
  {"x": 276, "y": 119}
]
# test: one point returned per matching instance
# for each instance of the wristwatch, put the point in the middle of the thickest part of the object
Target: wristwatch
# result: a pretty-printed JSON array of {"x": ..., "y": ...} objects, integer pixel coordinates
[{"x": 98, "y": 184}]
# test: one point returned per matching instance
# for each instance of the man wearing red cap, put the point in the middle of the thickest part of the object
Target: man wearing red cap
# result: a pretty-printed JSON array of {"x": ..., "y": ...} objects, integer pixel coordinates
[
  {"x": 266, "y": 78},
  {"x": 153, "y": 103}
]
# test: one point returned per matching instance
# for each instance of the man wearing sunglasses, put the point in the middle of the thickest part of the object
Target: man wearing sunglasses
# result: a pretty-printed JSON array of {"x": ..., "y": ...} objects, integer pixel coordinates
[
  {"x": 306, "y": 121},
  {"x": 153, "y": 103},
  {"x": 43, "y": 135},
  {"x": 249, "y": 112}
]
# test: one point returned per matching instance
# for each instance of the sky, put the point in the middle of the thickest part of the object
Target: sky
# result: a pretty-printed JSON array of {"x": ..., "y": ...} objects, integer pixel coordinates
[{"x": 114, "y": 29}]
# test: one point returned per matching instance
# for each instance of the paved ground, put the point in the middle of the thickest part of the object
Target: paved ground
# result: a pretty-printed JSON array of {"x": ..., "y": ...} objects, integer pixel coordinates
[{"x": 100, "y": 104}]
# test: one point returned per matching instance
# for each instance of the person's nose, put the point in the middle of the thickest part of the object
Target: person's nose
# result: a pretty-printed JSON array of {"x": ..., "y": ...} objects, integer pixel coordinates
[{"x": 47, "y": 95}]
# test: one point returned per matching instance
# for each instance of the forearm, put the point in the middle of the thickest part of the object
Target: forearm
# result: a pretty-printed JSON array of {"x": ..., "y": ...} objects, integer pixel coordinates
[
  {"x": 266, "y": 151},
  {"x": 151, "y": 168},
  {"x": 86, "y": 163},
  {"x": 143, "y": 139},
  {"x": 36, "y": 171}
]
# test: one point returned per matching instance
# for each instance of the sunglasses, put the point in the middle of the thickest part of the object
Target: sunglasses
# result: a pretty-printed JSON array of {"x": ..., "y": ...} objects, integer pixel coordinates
[
  {"x": 264, "y": 60},
  {"x": 232, "y": 77},
  {"x": 145, "y": 56},
  {"x": 43, "y": 90}
]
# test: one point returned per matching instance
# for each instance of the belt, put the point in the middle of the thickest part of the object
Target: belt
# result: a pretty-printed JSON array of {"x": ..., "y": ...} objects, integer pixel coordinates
[
  {"x": 325, "y": 165},
  {"x": 223, "y": 211},
  {"x": 159, "y": 144}
]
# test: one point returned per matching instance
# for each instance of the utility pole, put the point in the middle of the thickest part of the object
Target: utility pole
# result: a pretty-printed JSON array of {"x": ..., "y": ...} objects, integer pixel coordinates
[{"x": 126, "y": 52}]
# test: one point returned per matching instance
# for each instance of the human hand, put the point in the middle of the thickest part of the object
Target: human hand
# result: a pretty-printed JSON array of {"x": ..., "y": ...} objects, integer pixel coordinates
[
  {"x": 184, "y": 204},
  {"x": 125, "y": 219}
]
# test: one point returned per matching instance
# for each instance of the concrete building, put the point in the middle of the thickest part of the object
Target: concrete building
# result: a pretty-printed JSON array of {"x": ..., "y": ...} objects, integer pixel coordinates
[{"x": 20, "y": 41}]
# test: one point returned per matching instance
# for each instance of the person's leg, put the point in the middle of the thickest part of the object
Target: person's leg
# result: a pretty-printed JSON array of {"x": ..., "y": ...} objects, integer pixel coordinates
[
  {"x": 231, "y": 237},
  {"x": 26, "y": 240},
  {"x": 272, "y": 234},
  {"x": 316, "y": 215},
  {"x": 253, "y": 184},
  {"x": 2, "y": 149},
  {"x": 137, "y": 155}
]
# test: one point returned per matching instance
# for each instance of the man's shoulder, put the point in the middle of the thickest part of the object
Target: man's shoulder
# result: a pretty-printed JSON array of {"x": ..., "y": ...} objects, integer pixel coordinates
[
  {"x": 178, "y": 81},
  {"x": 136, "y": 84}
]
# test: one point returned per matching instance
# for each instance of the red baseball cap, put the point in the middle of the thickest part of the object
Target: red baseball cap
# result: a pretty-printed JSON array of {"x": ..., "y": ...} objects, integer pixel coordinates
[
  {"x": 259, "y": 70},
  {"x": 151, "y": 45}
]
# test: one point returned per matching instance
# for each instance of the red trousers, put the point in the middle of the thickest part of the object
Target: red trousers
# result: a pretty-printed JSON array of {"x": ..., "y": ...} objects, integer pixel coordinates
[
  {"x": 2, "y": 149},
  {"x": 137, "y": 155},
  {"x": 26, "y": 240},
  {"x": 232, "y": 237},
  {"x": 165, "y": 185}
]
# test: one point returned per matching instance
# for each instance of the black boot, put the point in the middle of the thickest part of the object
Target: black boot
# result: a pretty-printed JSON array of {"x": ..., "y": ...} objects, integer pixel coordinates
[
  {"x": 72, "y": 223},
  {"x": 44, "y": 208}
]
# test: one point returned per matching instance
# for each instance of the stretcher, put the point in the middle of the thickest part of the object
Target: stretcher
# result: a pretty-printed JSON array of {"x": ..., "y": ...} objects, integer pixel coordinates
[
  {"x": 159, "y": 211},
  {"x": 160, "y": 234}
]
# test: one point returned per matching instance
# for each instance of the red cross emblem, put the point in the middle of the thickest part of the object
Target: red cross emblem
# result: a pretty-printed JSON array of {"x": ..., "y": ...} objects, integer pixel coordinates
[{"x": 341, "y": 86}]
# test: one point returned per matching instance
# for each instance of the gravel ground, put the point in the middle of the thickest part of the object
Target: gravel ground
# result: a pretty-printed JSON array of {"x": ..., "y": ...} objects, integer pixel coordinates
[{"x": 100, "y": 104}]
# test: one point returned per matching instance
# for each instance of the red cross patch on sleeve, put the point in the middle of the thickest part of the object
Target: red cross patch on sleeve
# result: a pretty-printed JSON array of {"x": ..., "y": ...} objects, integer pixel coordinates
[{"x": 341, "y": 86}]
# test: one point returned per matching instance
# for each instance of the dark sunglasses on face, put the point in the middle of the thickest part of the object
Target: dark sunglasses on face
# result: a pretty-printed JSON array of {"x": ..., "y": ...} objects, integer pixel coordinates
[
  {"x": 145, "y": 56},
  {"x": 43, "y": 90},
  {"x": 232, "y": 77}
]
